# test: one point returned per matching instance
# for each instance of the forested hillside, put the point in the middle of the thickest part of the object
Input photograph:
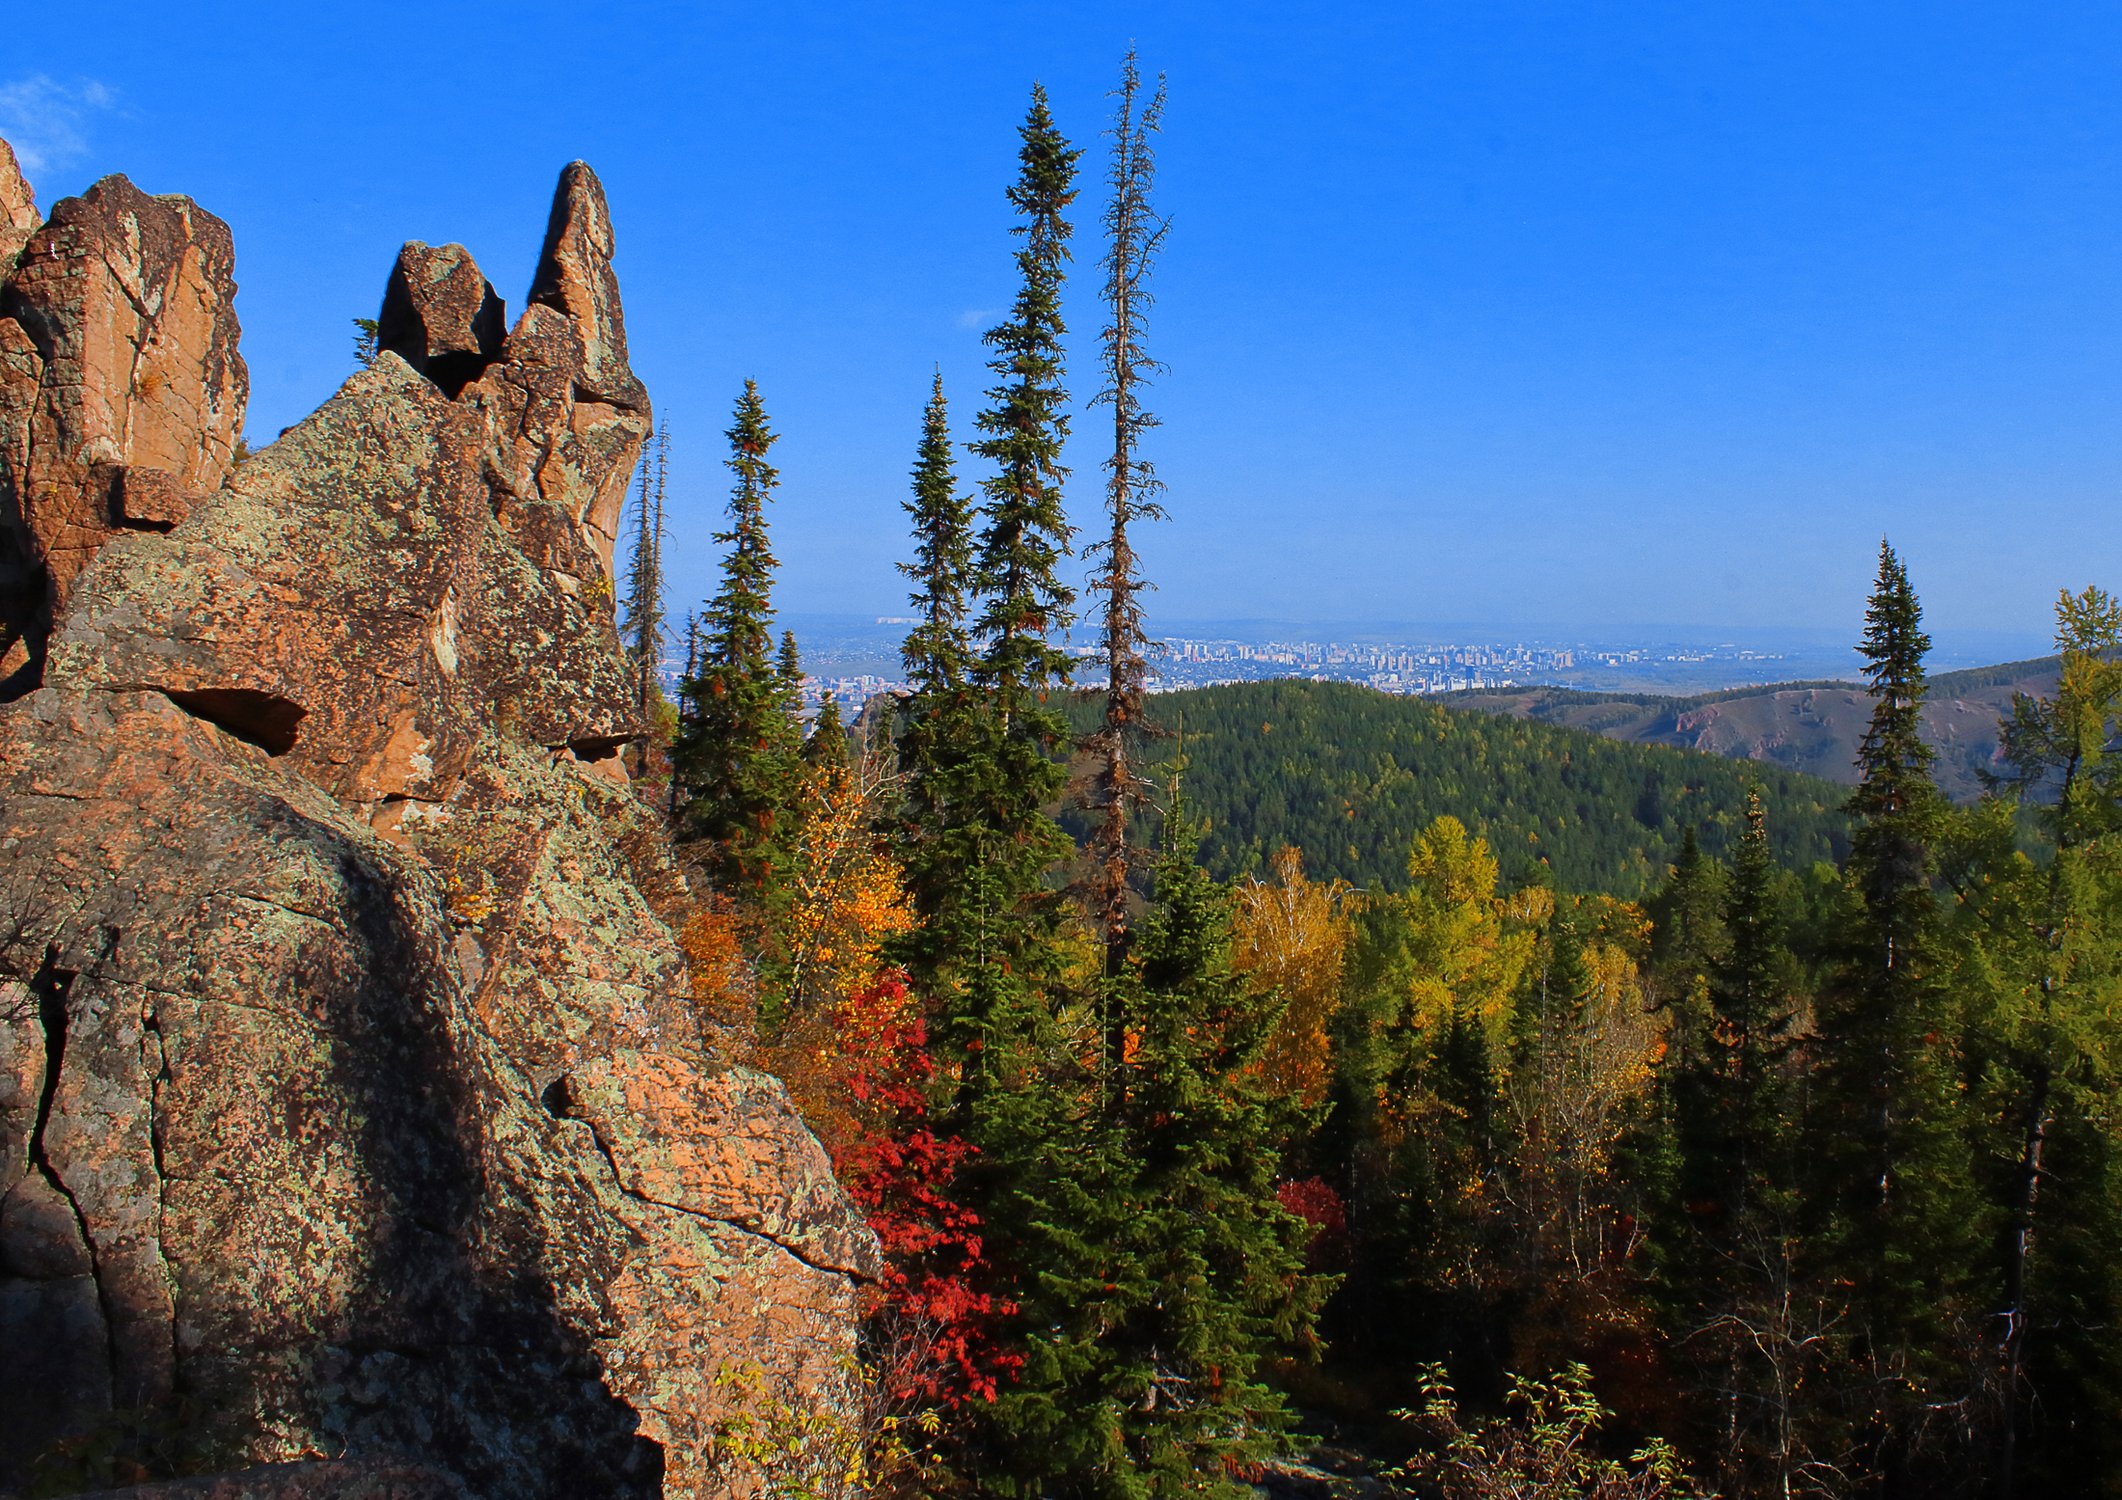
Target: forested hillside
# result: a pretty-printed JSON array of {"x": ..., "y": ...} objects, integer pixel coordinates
[
  {"x": 1642, "y": 1121},
  {"x": 1351, "y": 776},
  {"x": 1579, "y": 1118},
  {"x": 1814, "y": 727}
]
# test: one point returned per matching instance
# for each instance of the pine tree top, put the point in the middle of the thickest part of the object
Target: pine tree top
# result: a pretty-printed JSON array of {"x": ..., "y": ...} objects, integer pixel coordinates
[
  {"x": 738, "y": 621},
  {"x": 1894, "y": 641},
  {"x": 1893, "y": 760},
  {"x": 936, "y": 652},
  {"x": 1026, "y": 422}
]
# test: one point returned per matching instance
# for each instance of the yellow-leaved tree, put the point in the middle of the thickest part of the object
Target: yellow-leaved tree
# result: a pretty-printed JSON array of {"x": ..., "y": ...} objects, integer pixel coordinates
[
  {"x": 847, "y": 899},
  {"x": 1439, "y": 965},
  {"x": 1466, "y": 944},
  {"x": 1291, "y": 934},
  {"x": 1582, "y": 1079}
]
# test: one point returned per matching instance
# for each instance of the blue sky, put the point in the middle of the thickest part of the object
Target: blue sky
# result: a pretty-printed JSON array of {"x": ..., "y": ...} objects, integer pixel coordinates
[{"x": 1583, "y": 314}]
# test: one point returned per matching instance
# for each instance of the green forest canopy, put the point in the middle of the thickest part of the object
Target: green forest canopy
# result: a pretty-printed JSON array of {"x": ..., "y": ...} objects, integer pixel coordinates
[{"x": 1351, "y": 775}]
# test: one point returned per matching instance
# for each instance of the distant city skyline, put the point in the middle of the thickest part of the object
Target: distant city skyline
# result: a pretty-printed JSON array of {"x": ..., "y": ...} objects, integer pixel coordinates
[
  {"x": 855, "y": 657},
  {"x": 1596, "y": 315}
]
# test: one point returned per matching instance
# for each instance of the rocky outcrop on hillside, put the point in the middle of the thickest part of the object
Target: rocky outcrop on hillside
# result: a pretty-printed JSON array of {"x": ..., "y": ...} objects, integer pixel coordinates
[
  {"x": 18, "y": 210},
  {"x": 352, "y": 1111},
  {"x": 121, "y": 391}
]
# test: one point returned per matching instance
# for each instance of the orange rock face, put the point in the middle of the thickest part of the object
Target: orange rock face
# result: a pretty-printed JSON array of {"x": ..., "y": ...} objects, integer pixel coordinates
[
  {"x": 122, "y": 389},
  {"x": 18, "y": 210},
  {"x": 351, "y": 1104}
]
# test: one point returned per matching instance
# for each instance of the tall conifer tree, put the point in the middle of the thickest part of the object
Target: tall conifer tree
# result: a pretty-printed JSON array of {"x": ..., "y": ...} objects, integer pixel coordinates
[
  {"x": 642, "y": 628},
  {"x": 826, "y": 744},
  {"x": 1220, "y": 1260},
  {"x": 2047, "y": 967},
  {"x": 1025, "y": 607},
  {"x": 1903, "y": 1230},
  {"x": 999, "y": 913},
  {"x": 737, "y": 751},
  {"x": 940, "y": 721},
  {"x": 937, "y": 652},
  {"x": 1741, "y": 1318},
  {"x": 1688, "y": 924},
  {"x": 1047, "y": 1181},
  {"x": 685, "y": 716}
]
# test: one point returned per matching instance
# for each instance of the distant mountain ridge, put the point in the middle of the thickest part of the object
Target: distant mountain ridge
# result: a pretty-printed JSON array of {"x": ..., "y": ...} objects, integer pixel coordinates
[{"x": 1811, "y": 727}]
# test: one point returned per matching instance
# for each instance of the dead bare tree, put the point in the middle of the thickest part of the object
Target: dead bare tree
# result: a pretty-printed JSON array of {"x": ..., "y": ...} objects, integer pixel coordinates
[{"x": 1134, "y": 232}]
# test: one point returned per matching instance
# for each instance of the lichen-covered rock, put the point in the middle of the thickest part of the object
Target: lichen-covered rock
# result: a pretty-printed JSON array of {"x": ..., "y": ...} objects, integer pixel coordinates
[
  {"x": 23, "y": 619},
  {"x": 350, "y": 1100},
  {"x": 122, "y": 360},
  {"x": 305, "y": 605},
  {"x": 441, "y": 316},
  {"x": 18, "y": 210},
  {"x": 21, "y": 575},
  {"x": 575, "y": 277}
]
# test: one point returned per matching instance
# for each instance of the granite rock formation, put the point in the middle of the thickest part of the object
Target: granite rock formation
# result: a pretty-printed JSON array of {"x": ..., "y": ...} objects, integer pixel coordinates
[
  {"x": 352, "y": 1111},
  {"x": 441, "y": 316},
  {"x": 18, "y": 210},
  {"x": 121, "y": 391}
]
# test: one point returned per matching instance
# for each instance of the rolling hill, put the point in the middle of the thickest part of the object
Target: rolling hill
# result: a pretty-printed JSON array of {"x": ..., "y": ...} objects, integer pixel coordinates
[{"x": 1813, "y": 727}]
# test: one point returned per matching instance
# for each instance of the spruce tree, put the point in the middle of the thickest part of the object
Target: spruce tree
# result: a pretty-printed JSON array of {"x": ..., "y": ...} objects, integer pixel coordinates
[
  {"x": 1751, "y": 1012},
  {"x": 1687, "y": 915},
  {"x": 1048, "y": 1182},
  {"x": 681, "y": 728},
  {"x": 1008, "y": 916},
  {"x": 1134, "y": 231},
  {"x": 937, "y": 653},
  {"x": 1902, "y": 1230},
  {"x": 940, "y": 721},
  {"x": 1025, "y": 607},
  {"x": 642, "y": 628},
  {"x": 1221, "y": 1259},
  {"x": 736, "y": 755},
  {"x": 1740, "y": 1318},
  {"x": 826, "y": 744},
  {"x": 1167, "y": 1274}
]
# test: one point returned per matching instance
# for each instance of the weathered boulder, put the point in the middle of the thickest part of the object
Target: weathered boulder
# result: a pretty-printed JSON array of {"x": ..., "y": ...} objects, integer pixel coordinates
[
  {"x": 351, "y": 1102},
  {"x": 21, "y": 577},
  {"x": 441, "y": 316},
  {"x": 305, "y": 607},
  {"x": 23, "y": 617},
  {"x": 121, "y": 391}
]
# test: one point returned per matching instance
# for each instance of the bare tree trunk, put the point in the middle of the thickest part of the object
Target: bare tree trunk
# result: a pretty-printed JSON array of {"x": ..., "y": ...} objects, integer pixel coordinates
[
  {"x": 2038, "y": 1115},
  {"x": 1116, "y": 789}
]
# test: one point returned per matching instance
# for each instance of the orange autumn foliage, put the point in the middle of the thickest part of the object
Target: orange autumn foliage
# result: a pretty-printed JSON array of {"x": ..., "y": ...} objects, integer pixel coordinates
[
  {"x": 846, "y": 899},
  {"x": 848, "y": 896},
  {"x": 724, "y": 979}
]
